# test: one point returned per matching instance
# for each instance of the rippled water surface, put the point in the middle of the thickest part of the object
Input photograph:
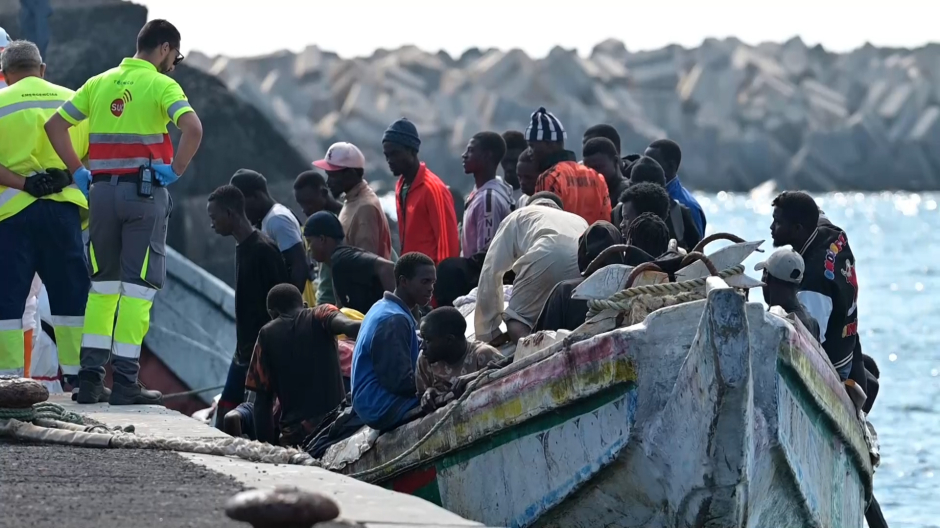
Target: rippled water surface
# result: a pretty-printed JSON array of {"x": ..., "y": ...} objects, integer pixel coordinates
[{"x": 895, "y": 240}]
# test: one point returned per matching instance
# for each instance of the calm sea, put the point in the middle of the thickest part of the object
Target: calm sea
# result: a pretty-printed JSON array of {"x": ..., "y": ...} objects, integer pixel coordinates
[{"x": 895, "y": 238}]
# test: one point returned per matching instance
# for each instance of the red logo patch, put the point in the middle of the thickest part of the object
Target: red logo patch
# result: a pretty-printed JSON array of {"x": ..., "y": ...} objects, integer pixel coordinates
[{"x": 117, "y": 107}]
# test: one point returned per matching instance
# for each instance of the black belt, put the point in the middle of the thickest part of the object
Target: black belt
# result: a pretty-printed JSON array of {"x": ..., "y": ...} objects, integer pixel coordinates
[
  {"x": 121, "y": 178},
  {"x": 130, "y": 178}
]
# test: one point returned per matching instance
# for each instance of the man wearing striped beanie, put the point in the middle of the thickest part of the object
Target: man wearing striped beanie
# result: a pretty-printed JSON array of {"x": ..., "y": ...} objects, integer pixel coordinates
[{"x": 581, "y": 189}]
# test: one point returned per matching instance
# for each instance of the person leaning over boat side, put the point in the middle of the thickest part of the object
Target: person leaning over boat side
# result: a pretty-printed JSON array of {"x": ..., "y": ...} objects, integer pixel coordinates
[
  {"x": 359, "y": 278},
  {"x": 296, "y": 360},
  {"x": 581, "y": 189},
  {"x": 427, "y": 220},
  {"x": 383, "y": 366},
  {"x": 276, "y": 221},
  {"x": 313, "y": 195},
  {"x": 668, "y": 154},
  {"x": 447, "y": 358},
  {"x": 782, "y": 275},
  {"x": 528, "y": 173},
  {"x": 829, "y": 288},
  {"x": 540, "y": 244},
  {"x": 258, "y": 268},
  {"x": 679, "y": 219},
  {"x": 515, "y": 145},
  {"x": 490, "y": 201}
]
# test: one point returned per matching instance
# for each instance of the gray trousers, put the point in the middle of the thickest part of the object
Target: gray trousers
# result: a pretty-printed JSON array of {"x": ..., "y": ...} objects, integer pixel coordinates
[{"x": 127, "y": 263}]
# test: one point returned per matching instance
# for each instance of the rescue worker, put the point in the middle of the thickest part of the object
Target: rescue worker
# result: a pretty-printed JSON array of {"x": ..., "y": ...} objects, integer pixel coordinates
[
  {"x": 4, "y": 42},
  {"x": 41, "y": 212},
  {"x": 127, "y": 109}
]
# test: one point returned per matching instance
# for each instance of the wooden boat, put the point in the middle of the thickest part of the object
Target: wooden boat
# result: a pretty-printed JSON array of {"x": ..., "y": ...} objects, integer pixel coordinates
[{"x": 712, "y": 412}]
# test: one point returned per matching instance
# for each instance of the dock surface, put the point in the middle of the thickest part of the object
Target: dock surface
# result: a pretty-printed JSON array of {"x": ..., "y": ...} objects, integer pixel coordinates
[{"x": 61, "y": 486}]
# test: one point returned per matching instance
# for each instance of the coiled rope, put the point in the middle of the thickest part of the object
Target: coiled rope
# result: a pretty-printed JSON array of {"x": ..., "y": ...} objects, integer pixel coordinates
[
  {"x": 623, "y": 299},
  {"x": 43, "y": 410}
]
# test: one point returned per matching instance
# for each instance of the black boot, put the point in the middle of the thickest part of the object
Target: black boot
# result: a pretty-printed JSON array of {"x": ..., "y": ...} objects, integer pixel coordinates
[
  {"x": 91, "y": 389},
  {"x": 125, "y": 394}
]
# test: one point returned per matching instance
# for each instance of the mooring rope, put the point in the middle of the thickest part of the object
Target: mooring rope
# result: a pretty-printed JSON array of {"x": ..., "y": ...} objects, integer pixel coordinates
[
  {"x": 43, "y": 410},
  {"x": 624, "y": 298}
]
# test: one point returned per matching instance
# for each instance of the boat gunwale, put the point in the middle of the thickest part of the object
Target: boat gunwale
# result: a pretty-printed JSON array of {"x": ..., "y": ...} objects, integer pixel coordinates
[{"x": 611, "y": 367}]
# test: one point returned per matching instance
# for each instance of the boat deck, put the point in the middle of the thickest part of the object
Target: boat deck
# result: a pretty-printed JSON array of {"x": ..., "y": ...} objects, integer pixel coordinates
[{"x": 45, "y": 485}]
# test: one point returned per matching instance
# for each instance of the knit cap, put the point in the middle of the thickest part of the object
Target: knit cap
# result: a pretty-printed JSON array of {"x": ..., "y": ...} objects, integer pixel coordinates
[
  {"x": 544, "y": 126},
  {"x": 404, "y": 133}
]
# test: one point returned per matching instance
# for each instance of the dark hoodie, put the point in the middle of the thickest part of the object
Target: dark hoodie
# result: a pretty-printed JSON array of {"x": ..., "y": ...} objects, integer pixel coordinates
[{"x": 829, "y": 290}]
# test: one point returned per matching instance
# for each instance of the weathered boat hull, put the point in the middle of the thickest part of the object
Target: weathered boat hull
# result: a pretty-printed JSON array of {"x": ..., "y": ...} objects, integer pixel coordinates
[{"x": 737, "y": 420}]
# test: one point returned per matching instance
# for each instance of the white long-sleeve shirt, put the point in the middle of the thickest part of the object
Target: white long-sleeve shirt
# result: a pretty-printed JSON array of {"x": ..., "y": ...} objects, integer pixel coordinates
[{"x": 540, "y": 231}]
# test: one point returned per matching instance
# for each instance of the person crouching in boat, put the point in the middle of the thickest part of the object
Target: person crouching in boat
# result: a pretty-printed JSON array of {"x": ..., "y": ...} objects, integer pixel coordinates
[
  {"x": 383, "y": 365},
  {"x": 296, "y": 360},
  {"x": 782, "y": 275},
  {"x": 447, "y": 358},
  {"x": 540, "y": 244},
  {"x": 828, "y": 289}
]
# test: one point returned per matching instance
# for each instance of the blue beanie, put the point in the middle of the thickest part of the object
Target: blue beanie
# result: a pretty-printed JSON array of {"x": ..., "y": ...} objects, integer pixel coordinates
[{"x": 404, "y": 133}]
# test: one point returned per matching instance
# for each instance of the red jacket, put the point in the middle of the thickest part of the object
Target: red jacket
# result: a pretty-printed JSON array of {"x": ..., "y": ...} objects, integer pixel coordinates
[{"x": 427, "y": 221}]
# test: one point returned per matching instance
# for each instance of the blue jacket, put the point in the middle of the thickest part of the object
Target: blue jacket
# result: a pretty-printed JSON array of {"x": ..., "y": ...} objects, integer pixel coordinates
[
  {"x": 678, "y": 193},
  {"x": 383, "y": 364}
]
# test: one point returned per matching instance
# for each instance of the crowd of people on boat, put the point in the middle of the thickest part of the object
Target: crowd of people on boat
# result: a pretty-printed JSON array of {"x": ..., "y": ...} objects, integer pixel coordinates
[{"x": 327, "y": 311}]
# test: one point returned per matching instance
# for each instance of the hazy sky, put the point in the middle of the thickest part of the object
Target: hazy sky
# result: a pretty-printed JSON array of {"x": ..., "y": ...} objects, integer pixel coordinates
[{"x": 357, "y": 27}]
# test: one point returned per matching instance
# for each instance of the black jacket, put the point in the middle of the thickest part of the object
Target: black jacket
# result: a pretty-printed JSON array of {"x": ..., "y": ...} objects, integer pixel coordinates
[
  {"x": 682, "y": 226},
  {"x": 830, "y": 285}
]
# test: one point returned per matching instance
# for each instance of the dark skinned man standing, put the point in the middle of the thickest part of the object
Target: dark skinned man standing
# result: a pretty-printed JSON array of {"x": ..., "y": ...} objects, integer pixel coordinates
[{"x": 427, "y": 221}]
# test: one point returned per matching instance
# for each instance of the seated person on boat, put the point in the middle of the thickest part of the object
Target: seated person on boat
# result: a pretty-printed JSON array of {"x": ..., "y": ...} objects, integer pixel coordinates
[
  {"x": 359, "y": 278},
  {"x": 539, "y": 243},
  {"x": 560, "y": 311},
  {"x": 383, "y": 366},
  {"x": 829, "y": 287},
  {"x": 679, "y": 218},
  {"x": 783, "y": 272},
  {"x": 447, "y": 358},
  {"x": 296, "y": 360},
  {"x": 643, "y": 198}
]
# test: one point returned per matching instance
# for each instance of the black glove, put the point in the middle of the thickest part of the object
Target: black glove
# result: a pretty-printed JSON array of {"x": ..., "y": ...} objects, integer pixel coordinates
[
  {"x": 39, "y": 185},
  {"x": 60, "y": 179}
]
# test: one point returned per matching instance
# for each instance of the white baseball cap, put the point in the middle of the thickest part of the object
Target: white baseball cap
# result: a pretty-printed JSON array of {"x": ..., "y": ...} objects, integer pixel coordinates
[
  {"x": 783, "y": 264},
  {"x": 341, "y": 156},
  {"x": 4, "y": 38}
]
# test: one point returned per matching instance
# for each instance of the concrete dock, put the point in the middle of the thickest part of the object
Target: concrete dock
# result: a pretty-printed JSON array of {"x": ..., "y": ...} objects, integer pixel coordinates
[{"x": 60, "y": 486}]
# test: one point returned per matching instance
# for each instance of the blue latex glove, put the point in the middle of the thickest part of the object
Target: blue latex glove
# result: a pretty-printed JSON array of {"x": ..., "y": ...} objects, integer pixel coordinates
[
  {"x": 165, "y": 174},
  {"x": 82, "y": 178}
]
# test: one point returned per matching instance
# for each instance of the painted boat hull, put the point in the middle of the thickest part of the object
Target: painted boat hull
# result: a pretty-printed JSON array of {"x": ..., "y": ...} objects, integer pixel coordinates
[{"x": 710, "y": 413}]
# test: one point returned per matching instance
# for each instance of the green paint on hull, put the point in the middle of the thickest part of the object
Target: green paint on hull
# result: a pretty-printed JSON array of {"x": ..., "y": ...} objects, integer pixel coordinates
[{"x": 432, "y": 493}]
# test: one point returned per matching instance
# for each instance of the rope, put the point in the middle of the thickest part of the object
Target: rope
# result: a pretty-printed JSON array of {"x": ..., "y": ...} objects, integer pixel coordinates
[
  {"x": 191, "y": 393},
  {"x": 43, "y": 410},
  {"x": 234, "y": 447},
  {"x": 622, "y": 299}
]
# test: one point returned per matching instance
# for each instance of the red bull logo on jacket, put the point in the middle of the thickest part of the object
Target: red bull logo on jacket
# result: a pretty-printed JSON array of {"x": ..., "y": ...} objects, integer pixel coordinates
[{"x": 834, "y": 249}]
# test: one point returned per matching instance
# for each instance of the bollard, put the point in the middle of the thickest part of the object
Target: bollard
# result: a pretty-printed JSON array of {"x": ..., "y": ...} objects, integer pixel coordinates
[{"x": 282, "y": 507}]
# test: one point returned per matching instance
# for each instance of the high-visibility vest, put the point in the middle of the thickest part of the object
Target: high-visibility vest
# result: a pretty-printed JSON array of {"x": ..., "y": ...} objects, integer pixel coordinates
[
  {"x": 127, "y": 109},
  {"x": 24, "y": 147}
]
